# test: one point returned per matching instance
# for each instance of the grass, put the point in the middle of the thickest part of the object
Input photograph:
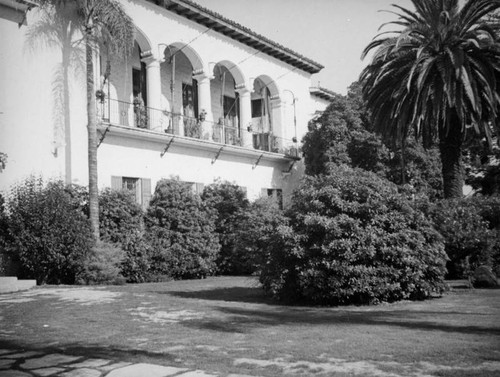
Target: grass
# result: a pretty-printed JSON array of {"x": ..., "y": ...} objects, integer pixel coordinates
[{"x": 226, "y": 325}]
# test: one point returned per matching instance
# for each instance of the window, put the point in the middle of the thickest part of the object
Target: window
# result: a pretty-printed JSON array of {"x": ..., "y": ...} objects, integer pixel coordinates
[
  {"x": 275, "y": 194},
  {"x": 196, "y": 187},
  {"x": 139, "y": 83},
  {"x": 257, "y": 108},
  {"x": 189, "y": 99},
  {"x": 140, "y": 188}
]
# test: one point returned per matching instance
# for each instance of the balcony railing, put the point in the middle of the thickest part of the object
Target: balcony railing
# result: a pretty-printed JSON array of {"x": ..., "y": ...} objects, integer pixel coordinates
[{"x": 132, "y": 115}]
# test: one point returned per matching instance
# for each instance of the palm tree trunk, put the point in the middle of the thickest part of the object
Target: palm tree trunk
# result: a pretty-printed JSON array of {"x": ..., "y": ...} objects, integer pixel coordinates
[
  {"x": 450, "y": 147},
  {"x": 92, "y": 142},
  {"x": 67, "y": 121}
]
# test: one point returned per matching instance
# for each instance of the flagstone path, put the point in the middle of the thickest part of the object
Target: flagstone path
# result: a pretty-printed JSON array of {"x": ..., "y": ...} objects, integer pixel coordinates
[{"x": 15, "y": 363}]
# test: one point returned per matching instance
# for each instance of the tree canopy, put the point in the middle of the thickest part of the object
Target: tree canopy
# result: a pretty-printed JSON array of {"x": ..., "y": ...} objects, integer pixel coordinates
[{"x": 438, "y": 76}]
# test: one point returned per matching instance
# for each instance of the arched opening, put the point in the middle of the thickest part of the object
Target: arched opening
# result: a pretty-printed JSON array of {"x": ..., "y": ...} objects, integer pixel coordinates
[
  {"x": 179, "y": 90},
  {"x": 264, "y": 115},
  {"x": 225, "y": 104},
  {"x": 122, "y": 95}
]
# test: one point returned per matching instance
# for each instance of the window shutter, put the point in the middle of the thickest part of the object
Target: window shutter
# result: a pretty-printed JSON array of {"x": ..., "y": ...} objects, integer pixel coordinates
[
  {"x": 199, "y": 188},
  {"x": 116, "y": 183},
  {"x": 146, "y": 191}
]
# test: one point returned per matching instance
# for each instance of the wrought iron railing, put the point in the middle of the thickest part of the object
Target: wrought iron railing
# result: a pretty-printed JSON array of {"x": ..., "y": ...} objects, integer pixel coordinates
[{"x": 224, "y": 132}]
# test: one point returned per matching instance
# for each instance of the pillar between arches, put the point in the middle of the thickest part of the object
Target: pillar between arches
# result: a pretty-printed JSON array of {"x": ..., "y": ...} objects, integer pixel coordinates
[
  {"x": 205, "y": 104},
  {"x": 245, "y": 116}
]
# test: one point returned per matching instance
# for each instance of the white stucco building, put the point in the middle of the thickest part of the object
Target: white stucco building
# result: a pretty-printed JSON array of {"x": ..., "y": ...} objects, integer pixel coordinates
[{"x": 201, "y": 98}]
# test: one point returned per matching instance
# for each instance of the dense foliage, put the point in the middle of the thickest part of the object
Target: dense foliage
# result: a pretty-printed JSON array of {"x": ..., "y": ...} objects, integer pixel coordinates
[
  {"x": 6, "y": 262},
  {"x": 181, "y": 229},
  {"x": 47, "y": 234},
  {"x": 119, "y": 215},
  {"x": 344, "y": 135},
  {"x": 102, "y": 265},
  {"x": 230, "y": 201},
  {"x": 254, "y": 230},
  {"x": 471, "y": 229},
  {"x": 353, "y": 239}
]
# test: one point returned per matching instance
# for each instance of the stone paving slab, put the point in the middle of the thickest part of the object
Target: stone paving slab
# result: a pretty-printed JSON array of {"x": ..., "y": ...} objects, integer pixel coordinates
[
  {"x": 54, "y": 359},
  {"x": 145, "y": 370},
  {"x": 34, "y": 363},
  {"x": 84, "y": 372},
  {"x": 47, "y": 371},
  {"x": 91, "y": 363},
  {"x": 22, "y": 355},
  {"x": 14, "y": 373},
  {"x": 196, "y": 373},
  {"x": 113, "y": 366}
]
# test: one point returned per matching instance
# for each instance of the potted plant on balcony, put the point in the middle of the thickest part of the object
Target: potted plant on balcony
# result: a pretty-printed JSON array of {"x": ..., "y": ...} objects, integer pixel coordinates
[
  {"x": 100, "y": 95},
  {"x": 202, "y": 116}
]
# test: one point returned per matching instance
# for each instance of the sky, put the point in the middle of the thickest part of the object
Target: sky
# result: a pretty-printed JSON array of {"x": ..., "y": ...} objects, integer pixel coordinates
[{"x": 331, "y": 32}]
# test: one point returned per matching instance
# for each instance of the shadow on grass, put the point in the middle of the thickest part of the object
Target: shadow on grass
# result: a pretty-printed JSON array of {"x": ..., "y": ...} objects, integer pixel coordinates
[
  {"x": 253, "y": 295},
  {"x": 241, "y": 320}
]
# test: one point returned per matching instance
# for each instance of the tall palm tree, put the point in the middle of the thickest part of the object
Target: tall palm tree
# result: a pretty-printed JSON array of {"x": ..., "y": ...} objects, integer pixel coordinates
[
  {"x": 438, "y": 75},
  {"x": 100, "y": 22}
]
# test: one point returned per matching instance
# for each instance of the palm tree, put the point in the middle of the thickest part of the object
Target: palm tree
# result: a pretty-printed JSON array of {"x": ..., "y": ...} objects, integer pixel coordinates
[
  {"x": 439, "y": 76},
  {"x": 100, "y": 22}
]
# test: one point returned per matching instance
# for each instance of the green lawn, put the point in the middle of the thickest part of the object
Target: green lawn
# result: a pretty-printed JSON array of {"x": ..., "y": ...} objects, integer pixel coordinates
[{"x": 226, "y": 325}]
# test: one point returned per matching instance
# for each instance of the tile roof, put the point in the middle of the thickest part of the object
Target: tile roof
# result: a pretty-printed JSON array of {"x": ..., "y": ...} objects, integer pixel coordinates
[{"x": 220, "y": 24}]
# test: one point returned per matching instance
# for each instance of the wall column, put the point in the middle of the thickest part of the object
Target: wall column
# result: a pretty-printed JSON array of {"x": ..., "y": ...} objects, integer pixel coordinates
[
  {"x": 205, "y": 104},
  {"x": 245, "y": 116},
  {"x": 153, "y": 85},
  {"x": 277, "y": 122}
]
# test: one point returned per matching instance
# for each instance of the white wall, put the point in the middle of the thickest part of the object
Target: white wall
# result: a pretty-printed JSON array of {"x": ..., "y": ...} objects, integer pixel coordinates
[{"x": 29, "y": 131}]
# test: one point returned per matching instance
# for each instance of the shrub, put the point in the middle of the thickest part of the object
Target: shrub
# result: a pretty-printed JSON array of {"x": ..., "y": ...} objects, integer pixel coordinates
[
  {"x": 229, "y": 201},
  {"x": 7, "y": 264},
  {"x": 48, "y": 235},
  {"x": 252, "y": 232},
  {"x": 470, "y": 228},
  {"x": 102, "y": 265},
  {"x": 137, "y": 263},
  {"x": 119, "y": 215},
  {"x": 182, "y": 232},
  {"x": 353, "y": 239}
]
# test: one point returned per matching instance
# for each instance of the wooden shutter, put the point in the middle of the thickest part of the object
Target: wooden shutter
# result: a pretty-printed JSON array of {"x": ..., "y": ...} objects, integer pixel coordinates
[
  {"x": 116, "y": 183},
  {"x": 199, "y": 188},
  {"x": 146, "y": 192}
]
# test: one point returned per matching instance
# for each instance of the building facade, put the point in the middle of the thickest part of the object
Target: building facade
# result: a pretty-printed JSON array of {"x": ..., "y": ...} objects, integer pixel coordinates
[{"x": 201, "y": 99}]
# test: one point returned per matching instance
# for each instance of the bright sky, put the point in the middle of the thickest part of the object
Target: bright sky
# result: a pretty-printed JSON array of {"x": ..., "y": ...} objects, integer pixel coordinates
[{"x": 330, "y": 32}]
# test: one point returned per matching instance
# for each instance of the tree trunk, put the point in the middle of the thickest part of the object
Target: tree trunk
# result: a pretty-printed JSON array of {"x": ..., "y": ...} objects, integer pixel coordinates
[
  {"x": 67, "y": 120},
  {"x": 92, "y": 142},
  {"x": 450, "y": 147}
]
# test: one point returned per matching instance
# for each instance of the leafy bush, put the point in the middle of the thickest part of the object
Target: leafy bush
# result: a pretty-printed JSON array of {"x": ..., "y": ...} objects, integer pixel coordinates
[
  {"x": 229, "y": 200},
  {"x": 102, "y": 265},
  {"x": 182, "y": 232},
  {"x": 47, "y": 233},
  {"x": 253, "y": 231},
  {"x": 136, "y": 265},
  {"x": 471, "y": 229},
  {"x": 7, "y": 264},
  {"x": 353, "y": 239},
  {"x": 119, "y": 215}
]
